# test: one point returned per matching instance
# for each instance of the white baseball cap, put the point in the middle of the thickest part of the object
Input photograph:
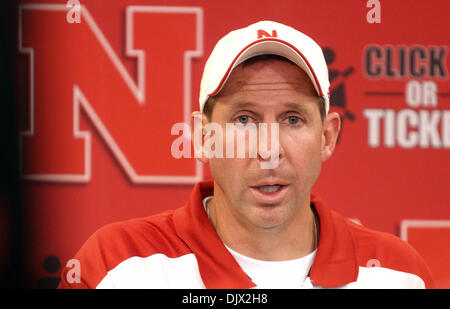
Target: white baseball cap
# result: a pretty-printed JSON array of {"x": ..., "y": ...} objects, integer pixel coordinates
[{"x": 264, "y": 37}]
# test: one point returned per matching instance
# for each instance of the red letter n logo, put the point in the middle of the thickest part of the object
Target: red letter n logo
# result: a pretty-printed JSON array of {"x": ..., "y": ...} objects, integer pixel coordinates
[
  {"x": 75, "y": 73},
  {"x": 263, "y": 33}
]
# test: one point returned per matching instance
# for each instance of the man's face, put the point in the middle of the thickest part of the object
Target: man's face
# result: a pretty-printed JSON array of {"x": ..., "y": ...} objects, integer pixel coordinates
[{"x": 269, "y": 91}]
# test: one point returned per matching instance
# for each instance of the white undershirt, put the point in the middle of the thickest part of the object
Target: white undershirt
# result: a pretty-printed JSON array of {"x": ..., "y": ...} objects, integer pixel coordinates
[{"x": 288, "y": 274}]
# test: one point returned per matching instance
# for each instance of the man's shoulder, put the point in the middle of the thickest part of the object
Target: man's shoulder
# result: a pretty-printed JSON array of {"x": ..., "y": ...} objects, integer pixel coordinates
[
  {"x": 370, "y": 242},
  {"x": 381, "y": 249},
  {"x": 139, "y": 236},
  {"x": 142, "y": 226},
  {"x": 115, "y": 243}
]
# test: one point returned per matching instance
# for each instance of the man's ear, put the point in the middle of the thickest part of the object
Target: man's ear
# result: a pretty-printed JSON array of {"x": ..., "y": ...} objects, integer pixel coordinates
[
  {"x": 331, "y": 128},
  {"x": 198, "y": 121}
]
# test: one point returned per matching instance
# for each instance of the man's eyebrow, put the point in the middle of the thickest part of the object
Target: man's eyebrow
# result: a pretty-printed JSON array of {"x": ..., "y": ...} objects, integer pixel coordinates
[
  {"x": 242, "y": 105},
  {"x": 296, "y": 106},
  {"x": 288, "y": 106}
]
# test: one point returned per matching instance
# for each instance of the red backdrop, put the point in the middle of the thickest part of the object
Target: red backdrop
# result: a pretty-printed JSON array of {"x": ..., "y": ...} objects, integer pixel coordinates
[{"x": 100, "y": 96}]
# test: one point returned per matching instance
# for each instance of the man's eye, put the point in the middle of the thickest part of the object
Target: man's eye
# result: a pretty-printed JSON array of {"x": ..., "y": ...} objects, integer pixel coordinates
[
  {"x": 293, "y": 119},
  {"x": 243, "y": 119}
]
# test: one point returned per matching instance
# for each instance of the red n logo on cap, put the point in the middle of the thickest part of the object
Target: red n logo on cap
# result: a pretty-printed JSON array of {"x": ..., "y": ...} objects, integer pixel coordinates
[{"x": 262, "y": 33}]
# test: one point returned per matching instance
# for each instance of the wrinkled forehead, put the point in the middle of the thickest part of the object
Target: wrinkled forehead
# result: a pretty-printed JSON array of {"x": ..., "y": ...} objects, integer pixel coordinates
[{"x": 268, "y": 73}]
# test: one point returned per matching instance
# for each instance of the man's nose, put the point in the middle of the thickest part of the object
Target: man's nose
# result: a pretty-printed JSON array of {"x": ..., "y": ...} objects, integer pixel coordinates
[{"x": 269, "y": 147}]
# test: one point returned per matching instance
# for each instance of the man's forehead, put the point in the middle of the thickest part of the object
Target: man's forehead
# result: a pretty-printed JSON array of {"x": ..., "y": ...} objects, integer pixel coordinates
[
  {"x": 301, "y": 106},
  {"x": 270, "y": 85},
  {"x": 268, "y": 75}
]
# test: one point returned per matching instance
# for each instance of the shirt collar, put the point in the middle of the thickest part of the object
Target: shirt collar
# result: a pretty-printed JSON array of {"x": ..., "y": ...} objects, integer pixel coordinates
[
  {"x": 335, "y": 263},
  {"x": 218, "y": 268}
]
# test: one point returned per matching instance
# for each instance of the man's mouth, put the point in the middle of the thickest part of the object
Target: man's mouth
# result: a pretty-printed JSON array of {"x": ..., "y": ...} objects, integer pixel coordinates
[
  {"x": 270, "y": 189},
  {"x": 269, "y": 193}
]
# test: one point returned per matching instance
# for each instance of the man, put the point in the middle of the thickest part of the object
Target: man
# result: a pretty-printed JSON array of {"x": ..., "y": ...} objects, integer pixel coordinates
[{"x": 252, "y": 226}]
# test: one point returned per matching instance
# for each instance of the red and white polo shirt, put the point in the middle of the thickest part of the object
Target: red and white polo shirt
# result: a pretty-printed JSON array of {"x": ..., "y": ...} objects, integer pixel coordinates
[{"x": 180, "y": 249}]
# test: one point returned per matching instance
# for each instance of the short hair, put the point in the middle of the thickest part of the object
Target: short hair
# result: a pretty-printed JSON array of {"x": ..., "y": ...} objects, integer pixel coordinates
[{"x": 209, "y": 105}]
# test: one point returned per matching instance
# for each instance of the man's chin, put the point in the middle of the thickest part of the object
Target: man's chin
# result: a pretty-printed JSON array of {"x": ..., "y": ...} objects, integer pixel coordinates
[{"x": 267, "y": 216}]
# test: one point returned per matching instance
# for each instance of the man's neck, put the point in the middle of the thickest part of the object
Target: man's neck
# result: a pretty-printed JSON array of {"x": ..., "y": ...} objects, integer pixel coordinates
[{"x": 292, "y": 239}]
